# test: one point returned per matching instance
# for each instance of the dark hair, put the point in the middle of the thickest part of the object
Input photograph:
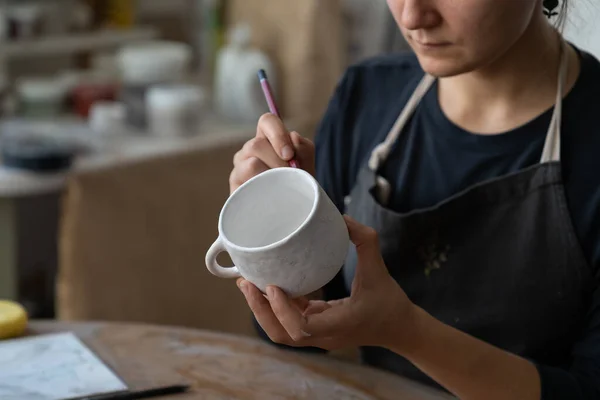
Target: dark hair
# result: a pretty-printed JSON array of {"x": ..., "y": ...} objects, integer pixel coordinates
[{"x": 558, "y": 9}]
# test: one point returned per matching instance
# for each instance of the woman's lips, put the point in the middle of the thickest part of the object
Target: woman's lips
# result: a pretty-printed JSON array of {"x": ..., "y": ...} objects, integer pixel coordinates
[{"x": 430, "y": 45}]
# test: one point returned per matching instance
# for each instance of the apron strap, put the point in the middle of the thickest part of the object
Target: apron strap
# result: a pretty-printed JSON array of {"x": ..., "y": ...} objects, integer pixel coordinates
[
  {"x": 381, "y": 152},
  {"x": 383, "y": 189},
  {"x": 552, "y": 145}
]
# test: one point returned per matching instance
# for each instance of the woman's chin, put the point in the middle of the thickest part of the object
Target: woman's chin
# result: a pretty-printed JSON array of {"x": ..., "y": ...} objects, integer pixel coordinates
[{"x": 443, "y": 67}]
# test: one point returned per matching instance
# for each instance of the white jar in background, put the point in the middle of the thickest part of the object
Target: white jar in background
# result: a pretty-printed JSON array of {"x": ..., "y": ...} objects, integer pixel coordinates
[
  {"x": 154, "y": 61},
  {"x": 26, "y": 18},
  {"x": 107, "y": 118},
  {"x": 238, "y": 94},
  {"x": 175, "y": 110},
  {"x": 41, "y": 97},
  {"x": 144, "y": 65}
]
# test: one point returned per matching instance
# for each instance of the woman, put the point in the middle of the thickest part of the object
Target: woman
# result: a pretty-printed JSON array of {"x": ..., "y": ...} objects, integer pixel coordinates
[{"x": 475, "y": 213}]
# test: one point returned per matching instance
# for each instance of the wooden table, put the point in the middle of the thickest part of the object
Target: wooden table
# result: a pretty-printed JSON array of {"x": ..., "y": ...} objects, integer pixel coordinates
[{"x": 222, "y": 366}]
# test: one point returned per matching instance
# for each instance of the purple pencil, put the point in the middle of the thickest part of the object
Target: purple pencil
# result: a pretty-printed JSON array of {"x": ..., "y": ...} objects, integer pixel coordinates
[{"x": 266, "y": 87}]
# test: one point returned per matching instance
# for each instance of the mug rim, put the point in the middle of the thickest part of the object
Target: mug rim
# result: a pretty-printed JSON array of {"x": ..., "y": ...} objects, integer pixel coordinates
[{"x": 316, "y": 201}]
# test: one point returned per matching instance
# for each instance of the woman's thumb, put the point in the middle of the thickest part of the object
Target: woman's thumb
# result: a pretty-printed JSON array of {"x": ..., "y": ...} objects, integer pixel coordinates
[{"x": 366, "y": 242}]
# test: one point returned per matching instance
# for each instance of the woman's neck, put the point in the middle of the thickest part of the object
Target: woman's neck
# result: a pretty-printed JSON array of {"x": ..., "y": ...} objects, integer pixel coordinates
[{"x": 512, "y": 90}]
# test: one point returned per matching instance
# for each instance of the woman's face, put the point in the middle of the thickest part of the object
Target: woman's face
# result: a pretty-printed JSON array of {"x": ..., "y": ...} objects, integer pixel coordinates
[{"x": 452, "y": 37}]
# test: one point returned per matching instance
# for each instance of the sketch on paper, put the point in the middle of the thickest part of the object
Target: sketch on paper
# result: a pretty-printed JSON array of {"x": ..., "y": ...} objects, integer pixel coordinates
[{"x": 53, "y": 367}]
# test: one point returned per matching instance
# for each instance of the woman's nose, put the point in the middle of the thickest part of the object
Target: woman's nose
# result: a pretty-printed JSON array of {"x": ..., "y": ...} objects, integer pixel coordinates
[{"x": 418, "y": 14}]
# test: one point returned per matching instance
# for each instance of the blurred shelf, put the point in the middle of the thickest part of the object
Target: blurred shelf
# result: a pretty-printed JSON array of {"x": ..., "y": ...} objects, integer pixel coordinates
[
  {"x": 130, "y": 148},
  {"x": 75, "y": 43}
]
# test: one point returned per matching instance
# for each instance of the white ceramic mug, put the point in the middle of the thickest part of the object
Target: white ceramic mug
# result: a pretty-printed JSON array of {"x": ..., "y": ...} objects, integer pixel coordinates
[{"x": 280, "y": 228}]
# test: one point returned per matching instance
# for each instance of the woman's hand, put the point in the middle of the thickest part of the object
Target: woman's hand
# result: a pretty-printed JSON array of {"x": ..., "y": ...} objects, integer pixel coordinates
[
  {"x": 272, "y": 147},
  {"x": 378, "y": 312}
]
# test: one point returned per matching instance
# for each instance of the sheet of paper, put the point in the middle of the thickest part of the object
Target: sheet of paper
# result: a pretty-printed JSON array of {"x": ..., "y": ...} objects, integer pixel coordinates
[{"x": 53, "y": 367}]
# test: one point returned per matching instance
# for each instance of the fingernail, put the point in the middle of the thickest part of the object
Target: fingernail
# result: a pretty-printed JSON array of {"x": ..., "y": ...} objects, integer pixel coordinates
[
  {"x": 242, "y": 285},
  {"x": 287, "y": 152},
  {"x": 306, "y": 334},
  {"x": 271, "y": 292}
]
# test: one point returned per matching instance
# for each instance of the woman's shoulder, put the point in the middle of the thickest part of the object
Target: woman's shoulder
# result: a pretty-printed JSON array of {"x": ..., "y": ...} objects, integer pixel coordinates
[
  {"x": 384, "y": 73},
  {"x": 581, "y": 151},
  {"x": 589, "y": 60},
  {"x": 372, "y": 88},
  {"x": 366, "y": 100},
  {"x": 582, "y": 104},
  {"x": 590, "y": 70},
  {"x": 588, "y": 84}
]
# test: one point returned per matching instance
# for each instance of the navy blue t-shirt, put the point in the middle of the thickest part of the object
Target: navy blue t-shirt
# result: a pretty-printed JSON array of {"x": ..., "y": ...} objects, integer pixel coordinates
[{"x": 434, "y": 159}]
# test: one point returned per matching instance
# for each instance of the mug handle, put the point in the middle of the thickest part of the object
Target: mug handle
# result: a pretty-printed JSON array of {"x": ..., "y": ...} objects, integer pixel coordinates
[{"x": 214, "y": 267}]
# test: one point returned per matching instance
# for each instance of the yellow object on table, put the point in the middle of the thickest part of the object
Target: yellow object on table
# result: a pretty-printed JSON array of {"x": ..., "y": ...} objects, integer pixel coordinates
[{"x": 13, "y": 319}]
